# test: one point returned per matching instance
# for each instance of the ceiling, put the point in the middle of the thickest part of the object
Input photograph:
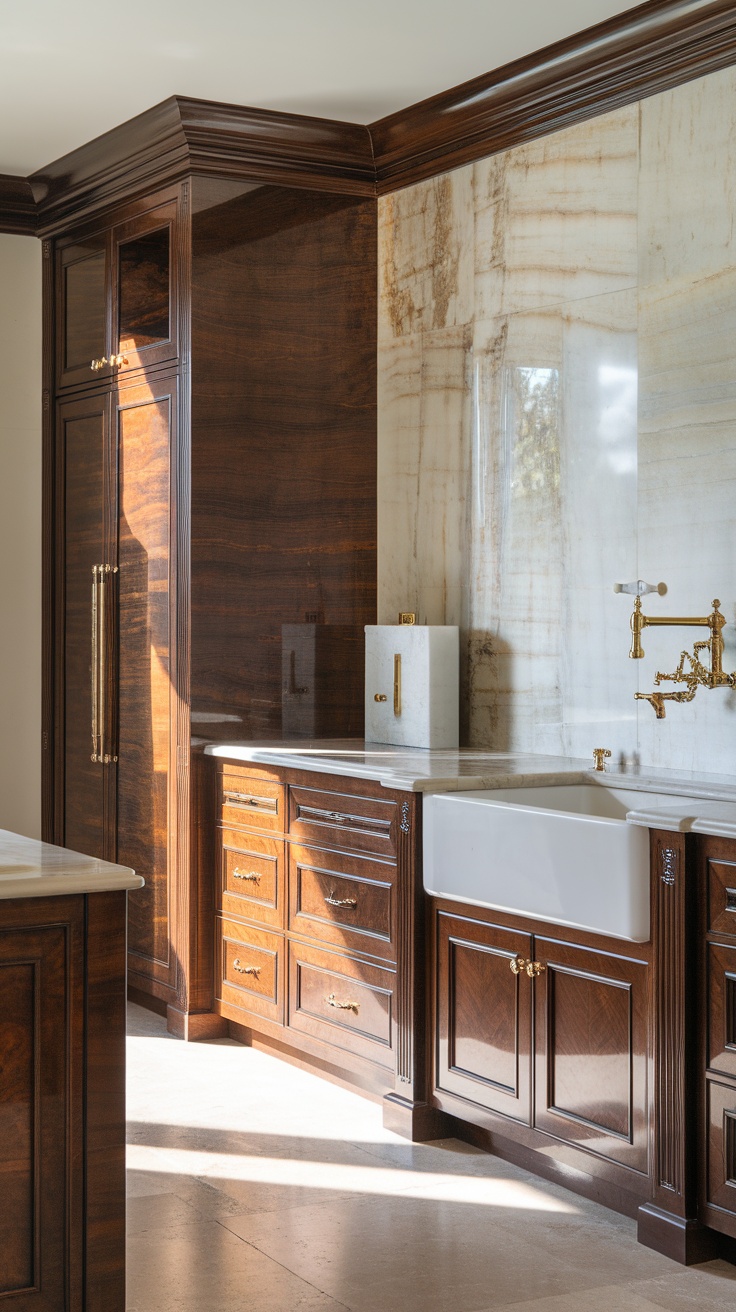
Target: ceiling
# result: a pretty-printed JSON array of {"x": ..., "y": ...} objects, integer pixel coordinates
[{"x": 70, "y": 72}]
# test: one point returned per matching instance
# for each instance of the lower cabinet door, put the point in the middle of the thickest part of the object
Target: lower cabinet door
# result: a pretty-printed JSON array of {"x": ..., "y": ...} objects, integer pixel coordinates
[
  {"x": 483, "y": 1014},
  {"x": 343, "y": 1001},
  {"x": 721, "y": 1178},
  {"x": 251, "y": 968},
  {"x": 592, "y": 1040}
]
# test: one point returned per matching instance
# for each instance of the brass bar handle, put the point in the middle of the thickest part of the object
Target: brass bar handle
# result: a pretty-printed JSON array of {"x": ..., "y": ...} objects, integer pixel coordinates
[
  {"x": 95, "y": 671},
  {"x": 251, "y": 875},
  {"x": 340, "y": 901},
  {"x": 342, "y": 1006},
  {"x": 246, "y": 970},
  {"x": 397, "y": 683},
  {"x": 534, "y": 968},
  {"x": 247, "y": 799},
  {"x": 104, "y": 573},
  {"x": 518, "y": 965}
]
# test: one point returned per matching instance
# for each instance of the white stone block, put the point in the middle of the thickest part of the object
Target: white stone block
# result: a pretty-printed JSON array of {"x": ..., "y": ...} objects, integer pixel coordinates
[{"x": 427, "y": 713}]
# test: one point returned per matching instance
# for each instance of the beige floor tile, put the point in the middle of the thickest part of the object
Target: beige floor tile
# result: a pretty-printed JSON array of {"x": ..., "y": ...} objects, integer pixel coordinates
[
  {"x": 607, "y": 1298},
  {"x": 204, "y": 1268},
  {"x": 710, "y": 1287},
  {"x": 154, "y": 1211}
]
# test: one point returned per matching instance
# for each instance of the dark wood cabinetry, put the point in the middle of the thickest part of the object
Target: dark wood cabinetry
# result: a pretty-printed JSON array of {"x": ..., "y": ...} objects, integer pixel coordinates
[
  {"x": 211, "y": 486},
  {"x": 62, "y": 1105},
  {"x": 716, "y": 862}
]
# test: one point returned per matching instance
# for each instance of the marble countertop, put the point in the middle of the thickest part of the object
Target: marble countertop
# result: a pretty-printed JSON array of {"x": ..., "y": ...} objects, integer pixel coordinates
[
  {"x": 29, "y": 868},
  {"x": 415, "y": 769}
]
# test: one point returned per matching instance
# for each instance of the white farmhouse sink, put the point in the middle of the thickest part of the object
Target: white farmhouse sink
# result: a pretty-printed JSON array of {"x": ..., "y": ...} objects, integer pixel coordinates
[{"x": 563, "y": 854}]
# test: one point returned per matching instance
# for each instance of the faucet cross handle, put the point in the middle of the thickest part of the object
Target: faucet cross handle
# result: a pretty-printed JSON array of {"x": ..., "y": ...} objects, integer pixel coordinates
[{"x": 600, "y": 756}]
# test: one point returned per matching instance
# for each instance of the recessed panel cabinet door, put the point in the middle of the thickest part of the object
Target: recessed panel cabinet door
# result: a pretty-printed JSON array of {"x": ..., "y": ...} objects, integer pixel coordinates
[
  {"x": 483, "y": 1015},
  {"x": 592, "y": 1051},
  {"x": 144, "y": 311},
  {"x": 145, "y": 421},
  {"x": 83, "y": 305},
  {"x": 84, "y": 456}
]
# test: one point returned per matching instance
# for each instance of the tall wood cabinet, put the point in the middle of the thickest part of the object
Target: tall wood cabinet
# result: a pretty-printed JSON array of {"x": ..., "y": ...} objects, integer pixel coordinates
[{"x": 210, "y": 369}]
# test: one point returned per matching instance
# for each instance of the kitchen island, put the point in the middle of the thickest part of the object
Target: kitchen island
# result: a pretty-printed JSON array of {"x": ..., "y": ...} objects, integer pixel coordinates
[{"x": 62, "y": 1078}]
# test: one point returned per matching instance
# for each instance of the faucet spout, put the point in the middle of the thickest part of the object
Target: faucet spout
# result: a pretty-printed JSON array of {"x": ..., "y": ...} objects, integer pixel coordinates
[{"x": 656, "y": 699}]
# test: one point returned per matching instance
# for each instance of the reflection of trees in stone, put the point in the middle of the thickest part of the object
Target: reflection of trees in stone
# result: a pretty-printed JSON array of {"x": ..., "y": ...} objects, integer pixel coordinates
[{"x": 533, "y": 399}]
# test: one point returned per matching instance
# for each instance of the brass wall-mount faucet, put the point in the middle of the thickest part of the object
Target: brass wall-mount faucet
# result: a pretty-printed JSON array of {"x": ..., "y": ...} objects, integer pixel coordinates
[{"x": 698, "y": 674}]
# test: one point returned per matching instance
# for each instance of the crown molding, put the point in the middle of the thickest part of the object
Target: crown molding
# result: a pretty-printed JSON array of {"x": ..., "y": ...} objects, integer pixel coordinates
[
  {"x": 17, "y": 206},
  {"x": 634, "y": 55},
  {"x": 182, "y": 136}
]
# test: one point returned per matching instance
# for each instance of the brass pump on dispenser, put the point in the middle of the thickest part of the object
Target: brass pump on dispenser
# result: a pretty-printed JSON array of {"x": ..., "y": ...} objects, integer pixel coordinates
[{"x": 697, "y": 675}]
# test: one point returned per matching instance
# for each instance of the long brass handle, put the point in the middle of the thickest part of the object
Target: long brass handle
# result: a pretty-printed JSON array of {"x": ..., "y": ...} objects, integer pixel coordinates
[
  {"x": 251, "y": 875},
  {"x": 397, "y": 684},
  {"x": 95, "y": 672},
  {"x": 102, "y": 663},
  {"x": 246, "y": 970},
  {"x": 342, "y": 1006},
  {"x": 341, "y": 901}
]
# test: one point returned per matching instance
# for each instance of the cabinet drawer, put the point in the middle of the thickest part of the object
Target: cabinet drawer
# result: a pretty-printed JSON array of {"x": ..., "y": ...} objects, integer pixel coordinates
[
  {"x": 722, "y": 1008},
  {"x": 722, "y": 897},
  {"x": 247, "y": 801},
  {"x": 363, "y": 824},
  {"x": 721, "y": 1174},
  {"x": 345, "y": 1002},
  {"x": 252, "y": 877},
  {"x": 346, "y": 900},
  {"x": 250, "y": 969}
]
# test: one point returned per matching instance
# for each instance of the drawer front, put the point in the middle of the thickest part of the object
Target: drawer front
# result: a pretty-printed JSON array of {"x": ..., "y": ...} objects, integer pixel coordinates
[
  {"x": 343, "y": 899},
  {"x": 361, "y": 824},
  {"x": 249, "y": 802},
  {"x": 250, "y": 969},
  {"x": 344, "y": 1002},
  {"x": 721, "y": 1169},
  {"x": 722, "y": 1009},
  {"x": 252, "y": 877},
  {"x": 722, "y": 897}
]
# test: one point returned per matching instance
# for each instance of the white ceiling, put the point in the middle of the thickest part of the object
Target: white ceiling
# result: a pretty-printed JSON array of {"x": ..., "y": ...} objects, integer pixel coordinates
[{"x": 69, "y": 72}]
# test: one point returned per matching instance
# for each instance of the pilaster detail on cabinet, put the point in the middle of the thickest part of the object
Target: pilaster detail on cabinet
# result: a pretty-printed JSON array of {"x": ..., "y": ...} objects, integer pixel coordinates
[
  {"x": 670, "y": 1019},
  {"x": 405, "y": 1000}
]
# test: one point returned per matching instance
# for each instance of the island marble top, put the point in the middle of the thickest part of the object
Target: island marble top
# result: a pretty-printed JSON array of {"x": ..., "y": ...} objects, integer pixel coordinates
[
  {"x": 29, "y": 868},
  {"x": 416, "y": 769}
]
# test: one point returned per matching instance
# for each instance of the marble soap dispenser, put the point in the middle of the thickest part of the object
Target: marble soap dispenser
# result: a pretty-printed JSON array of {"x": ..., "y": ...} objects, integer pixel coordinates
[{"x": 412, "y": 684}]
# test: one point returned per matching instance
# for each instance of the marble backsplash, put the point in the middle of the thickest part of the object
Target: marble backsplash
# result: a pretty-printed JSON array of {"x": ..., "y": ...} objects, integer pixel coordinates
[{"x": 557, "y": 412}]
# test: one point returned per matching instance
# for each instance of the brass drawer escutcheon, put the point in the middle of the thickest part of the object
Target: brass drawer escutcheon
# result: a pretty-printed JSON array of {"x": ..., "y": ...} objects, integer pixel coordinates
[
  {"x": 332, "y": 1001},
  {"x": 246, "y": 970}
]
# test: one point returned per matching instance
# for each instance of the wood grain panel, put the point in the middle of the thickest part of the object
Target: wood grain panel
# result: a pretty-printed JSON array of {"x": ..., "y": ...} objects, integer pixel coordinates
[
  {"x": 145, "y": 288},
  {"x": 18, "y": 1116},
  {"x": 146, "y": 417},
  {"x": 721, "y": 1146},
  {"x": 252, "y": 802},
  {"x": 84, "y": 438},
  {"x": 283, "y": 442},
  {"x": 17, "y": 205},
  {"x": 251, "y": 969},
  {"x": 592, "y": 1051},
  {"x": 721, "y": 892},
  {"x": 483, "y": 1015},
  {"x": 721, "y": 967},
  {"x": 343, "y": 820},
  {"x": 346, "y": 1002},
  {"x": 342, "y": 899},
  {"x": 252, "y": 877}
]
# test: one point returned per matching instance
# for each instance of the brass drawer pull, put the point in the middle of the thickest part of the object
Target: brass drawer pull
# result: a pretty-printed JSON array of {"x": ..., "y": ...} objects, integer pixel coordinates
[
  {"x": 115, "y": 360},
  {"x": 341, "y": 901},
  {"x": 518, "y": 965},
  {"x": 316, "y": 815},
  {"x": 342, "y": 1006},
  {"x": 534, "y": 968},
  {"x": 251, "y": 875},
  {"x": 246, "y": 970},
  {"x": 247, "y": 799}
]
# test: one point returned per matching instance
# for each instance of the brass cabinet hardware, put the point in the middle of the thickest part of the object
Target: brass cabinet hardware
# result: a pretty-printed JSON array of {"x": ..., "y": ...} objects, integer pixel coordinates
[
  {"x": 518, "y": 964},
  {"x": 380, "y": 697},
  {"x": 397, "y": 684},
  {"x": 407, "y": 617},
  {"x": 98, "y": 667},
  {"x": 698, "y": 674},
  {"x": 342, "y": 1006},
  {"x": 251, "y": 875},
  {"x": 340, "y": 901},
  {"x": 600, "y": 756},
  {"x": 246, "y": 970},
  {"x": 115, "y": 360},
  {"x": 94, "y": 673},
  {"x": 247, "y": 799},
  {"x": 534, "y": 968}
]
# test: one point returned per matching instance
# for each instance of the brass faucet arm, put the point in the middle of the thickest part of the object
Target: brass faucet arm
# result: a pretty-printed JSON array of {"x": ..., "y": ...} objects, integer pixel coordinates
[{"x": 700, "y": 621}]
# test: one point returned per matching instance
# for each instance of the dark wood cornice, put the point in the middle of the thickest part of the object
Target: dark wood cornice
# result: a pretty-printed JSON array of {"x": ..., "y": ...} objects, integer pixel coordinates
[
  {"x": 183, "y": 136},
  {"x": 17, "y": 206},
  {"x": 636, "y": 54}
]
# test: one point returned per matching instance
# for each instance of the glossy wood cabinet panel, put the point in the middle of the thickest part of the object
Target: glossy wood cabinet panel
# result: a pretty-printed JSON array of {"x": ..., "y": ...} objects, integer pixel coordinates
[
  {"x": 344, "y": 820},
  {"x": 83, "y": 300},
  {"x": 721, "y": 878},
  {"x": 483, "y": 1013},
  {"x": 592, "y": 1047},
  {"x": 84, "y": 453},
  {"x": 146, "y": 292},
  {"x": 346, "y": 900},
  {"x": 721, "y": 970},
  {"x": 145, "y": 423},
  {"x": 345, "y": 1002},
  {"x": 252, "y": 877},
  {"x": 721, "y": 1148},
  {"x": 251, "y": 969},
  {"x": 250, "y": 802}
]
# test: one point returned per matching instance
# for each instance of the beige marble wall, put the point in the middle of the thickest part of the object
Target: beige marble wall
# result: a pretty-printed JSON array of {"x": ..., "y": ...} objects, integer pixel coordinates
[{"x": 557, "y": 397}]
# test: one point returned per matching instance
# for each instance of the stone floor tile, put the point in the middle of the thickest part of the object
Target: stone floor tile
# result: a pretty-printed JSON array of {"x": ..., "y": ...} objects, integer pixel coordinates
[{"x": 710, "y": 1287}]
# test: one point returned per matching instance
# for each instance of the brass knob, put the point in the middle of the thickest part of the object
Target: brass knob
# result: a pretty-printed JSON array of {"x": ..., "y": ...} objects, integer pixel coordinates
[
  {"x": 518, "y": 965},
  {"x": 118, "y": 360},
  {"x": 534, "y": 968},
  {"x": 379, "y": 697}
]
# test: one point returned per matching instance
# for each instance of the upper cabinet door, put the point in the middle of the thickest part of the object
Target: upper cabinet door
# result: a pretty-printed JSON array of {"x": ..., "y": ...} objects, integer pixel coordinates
[
  {"x": 145, "y": 308},
  {"x": 83, "y": 305}
]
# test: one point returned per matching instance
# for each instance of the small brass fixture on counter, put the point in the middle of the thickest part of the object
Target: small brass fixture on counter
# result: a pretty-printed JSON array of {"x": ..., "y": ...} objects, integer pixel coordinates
[
  {"x": 407, "y": 617},
  {"x": 600, "y": 756},
  {"x": 698, "y": 674}
]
